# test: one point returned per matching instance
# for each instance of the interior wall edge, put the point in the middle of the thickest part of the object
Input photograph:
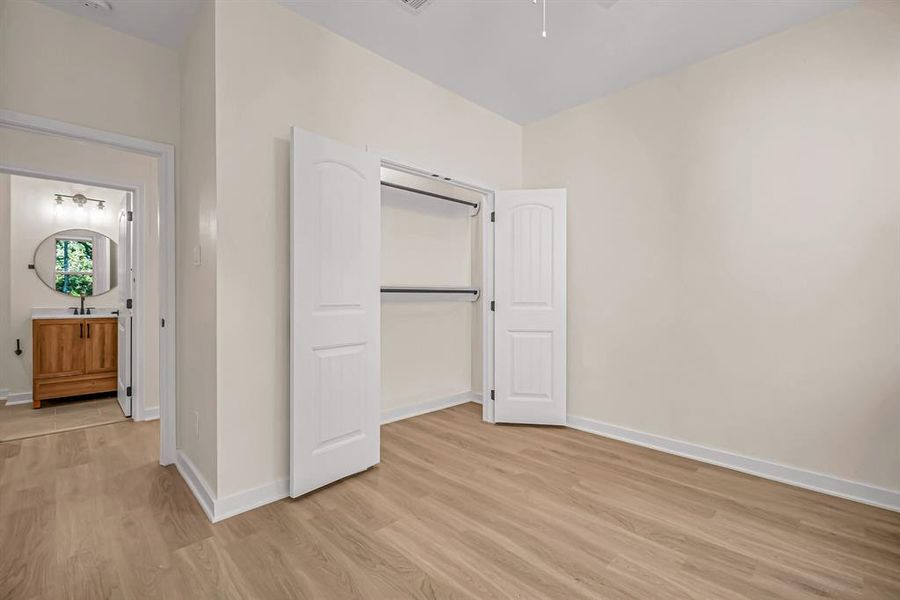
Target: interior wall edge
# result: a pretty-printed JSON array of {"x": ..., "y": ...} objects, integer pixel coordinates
[
  {"x": 245, "y": 500},
  {"x": 149, "y": 413},
  {"x": 810, "y": 480},
  {"x": 196, "y": 483},
  {"x": 219, "y": 509}
]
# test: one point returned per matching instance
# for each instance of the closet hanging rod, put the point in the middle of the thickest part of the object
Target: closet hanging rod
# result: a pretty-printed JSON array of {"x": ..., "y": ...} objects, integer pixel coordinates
[
  {"x": 423, "y": 290},
  {"x": 396, "y": 186}
]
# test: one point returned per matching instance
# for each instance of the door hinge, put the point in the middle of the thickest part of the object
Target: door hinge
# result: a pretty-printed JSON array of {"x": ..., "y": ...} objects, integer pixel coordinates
[
  {"x": 131, "y": 215},
  {"x": 492, "y": 306},
  {"x": 129, "y": 303},
  {"x": 492, "y": 394},
  {"x": 162, "y": 322},
  {"x": 493, "y": 216},
  {"x": 128, "y": 391}
]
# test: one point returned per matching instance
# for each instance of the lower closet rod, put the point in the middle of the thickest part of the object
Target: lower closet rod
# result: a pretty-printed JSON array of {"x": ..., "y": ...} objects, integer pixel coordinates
[{"x": 405, "y": 290}]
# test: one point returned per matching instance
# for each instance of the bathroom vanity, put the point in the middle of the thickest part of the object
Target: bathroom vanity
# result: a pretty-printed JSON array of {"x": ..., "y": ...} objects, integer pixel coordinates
[{"x": 73, "y": 354}]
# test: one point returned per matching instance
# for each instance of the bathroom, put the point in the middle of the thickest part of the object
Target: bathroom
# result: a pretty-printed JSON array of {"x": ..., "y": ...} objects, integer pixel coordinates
[{"x": 66, "y": 265}]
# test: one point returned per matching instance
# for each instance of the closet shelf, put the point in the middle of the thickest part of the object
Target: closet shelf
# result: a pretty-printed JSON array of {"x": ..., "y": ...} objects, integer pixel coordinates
[
  {"x": 467, "y": 293},
  {"x": 475, "y": 205}
]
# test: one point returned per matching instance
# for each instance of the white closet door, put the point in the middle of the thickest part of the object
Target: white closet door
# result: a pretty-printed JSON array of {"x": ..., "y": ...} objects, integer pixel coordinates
[
  {"x": 335, "y": 311},
  {"x": 530, "y": 305}
]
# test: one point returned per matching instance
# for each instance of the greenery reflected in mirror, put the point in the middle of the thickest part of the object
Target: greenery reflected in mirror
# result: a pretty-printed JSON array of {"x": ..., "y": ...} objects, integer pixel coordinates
[
  {"x": 77, "y": 262},
  {"x": 75, "y": 267}
]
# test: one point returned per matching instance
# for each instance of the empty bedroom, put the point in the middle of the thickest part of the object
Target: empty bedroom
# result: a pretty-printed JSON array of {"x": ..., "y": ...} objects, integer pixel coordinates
[{"x": 383, "y": 299}]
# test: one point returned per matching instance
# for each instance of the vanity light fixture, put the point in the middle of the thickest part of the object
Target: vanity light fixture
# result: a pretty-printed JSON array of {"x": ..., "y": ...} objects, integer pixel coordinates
[{"x": 80, "y": 200}]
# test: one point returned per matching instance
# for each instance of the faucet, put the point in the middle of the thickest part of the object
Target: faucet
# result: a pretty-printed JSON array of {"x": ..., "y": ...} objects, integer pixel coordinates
[{"x": 77, "y": 311}]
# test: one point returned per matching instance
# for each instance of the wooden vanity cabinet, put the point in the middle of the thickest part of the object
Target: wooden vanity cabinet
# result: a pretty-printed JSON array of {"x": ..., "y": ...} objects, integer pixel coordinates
[{"x": 73, "y": 357}]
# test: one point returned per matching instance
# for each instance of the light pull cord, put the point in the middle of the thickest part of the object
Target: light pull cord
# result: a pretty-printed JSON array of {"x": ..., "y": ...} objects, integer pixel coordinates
[{"x": 544, "y": 31}]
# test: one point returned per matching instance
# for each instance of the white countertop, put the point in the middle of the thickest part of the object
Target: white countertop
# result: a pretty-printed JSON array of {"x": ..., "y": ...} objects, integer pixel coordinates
[{"x": 66, "y": 313}]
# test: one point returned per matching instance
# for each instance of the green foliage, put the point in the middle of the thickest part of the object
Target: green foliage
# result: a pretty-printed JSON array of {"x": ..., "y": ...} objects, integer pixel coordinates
[{"x": 75, "y": 267}]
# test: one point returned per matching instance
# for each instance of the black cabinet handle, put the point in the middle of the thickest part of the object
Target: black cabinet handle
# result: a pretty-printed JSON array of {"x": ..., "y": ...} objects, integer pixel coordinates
[
  {"x": 81, "y": 330},
  {"x": 89, "y": 330}
]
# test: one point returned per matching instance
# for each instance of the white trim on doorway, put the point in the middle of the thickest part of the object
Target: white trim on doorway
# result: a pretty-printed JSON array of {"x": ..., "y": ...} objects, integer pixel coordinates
[{"x": 165, "y": 156}]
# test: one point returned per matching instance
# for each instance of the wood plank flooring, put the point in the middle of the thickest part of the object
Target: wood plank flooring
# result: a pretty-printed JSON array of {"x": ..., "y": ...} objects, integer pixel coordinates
[
  {"x": 21, "y": 421},
  {"x": 456, "y": 509}
]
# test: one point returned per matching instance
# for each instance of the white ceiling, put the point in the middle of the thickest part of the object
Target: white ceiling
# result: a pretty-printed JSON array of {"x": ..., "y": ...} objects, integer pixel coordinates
[
  {"x": 491, "y": 51},
  {"x": 163, "y": 22}
]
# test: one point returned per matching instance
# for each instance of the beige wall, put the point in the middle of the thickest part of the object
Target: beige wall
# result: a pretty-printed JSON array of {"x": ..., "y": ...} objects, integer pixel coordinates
[
  {"x": 276, "y": 69},
  {"x": 34, "y": 217},
  {"x": 56, "y": 65},
  {"x": 88, "y": 161},
  {"x": 196, "y": 229},
  {"x": 734, "y": 264}
]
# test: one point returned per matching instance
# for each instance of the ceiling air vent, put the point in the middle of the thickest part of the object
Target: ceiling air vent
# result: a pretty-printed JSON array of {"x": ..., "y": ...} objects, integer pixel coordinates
[{"x": 414, "y": 6}]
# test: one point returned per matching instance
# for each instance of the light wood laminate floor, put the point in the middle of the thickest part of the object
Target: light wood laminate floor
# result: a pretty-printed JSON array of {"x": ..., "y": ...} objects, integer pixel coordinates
[
  {"x": 21, "y": 421},
  {"x": 456, "y": 509}
]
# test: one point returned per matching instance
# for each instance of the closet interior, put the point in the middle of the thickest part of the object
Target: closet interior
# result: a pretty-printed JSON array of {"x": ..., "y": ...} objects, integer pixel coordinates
[{"x": 431, "y": 300}]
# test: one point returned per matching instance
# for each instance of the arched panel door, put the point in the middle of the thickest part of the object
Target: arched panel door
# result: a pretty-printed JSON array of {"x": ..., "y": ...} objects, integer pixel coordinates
[
  {"x": 530, "y": 305},
  {"x": 335, "y": 311}
]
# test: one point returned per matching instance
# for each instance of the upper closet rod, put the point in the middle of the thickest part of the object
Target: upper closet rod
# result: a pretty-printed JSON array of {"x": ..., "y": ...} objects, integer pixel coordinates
[{"x": 396, "y": 186}]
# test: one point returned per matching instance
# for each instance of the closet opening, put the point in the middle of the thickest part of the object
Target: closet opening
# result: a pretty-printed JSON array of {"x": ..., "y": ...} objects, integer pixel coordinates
[
  {"x": 412, "y": 292},
  {"x": 436, "y": 284}
]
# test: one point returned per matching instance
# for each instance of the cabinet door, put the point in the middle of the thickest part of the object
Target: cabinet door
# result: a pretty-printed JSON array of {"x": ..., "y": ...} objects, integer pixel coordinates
[
  {"x": 58, "y": 347},
  {"x": 100, "y": 343}
]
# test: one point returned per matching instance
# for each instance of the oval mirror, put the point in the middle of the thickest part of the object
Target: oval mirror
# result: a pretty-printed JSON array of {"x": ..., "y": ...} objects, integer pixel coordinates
[{"x": 77, "y": 262}]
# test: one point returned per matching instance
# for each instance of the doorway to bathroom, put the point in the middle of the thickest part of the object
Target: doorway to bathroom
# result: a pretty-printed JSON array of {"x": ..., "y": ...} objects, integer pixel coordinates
[
  {"x": 41, "y": 148},
  {"x": 68, "y": 268}
]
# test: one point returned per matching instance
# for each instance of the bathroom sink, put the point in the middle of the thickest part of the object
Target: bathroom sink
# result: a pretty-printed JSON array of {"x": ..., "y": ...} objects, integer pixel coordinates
[{"x": 67, "y": 313}]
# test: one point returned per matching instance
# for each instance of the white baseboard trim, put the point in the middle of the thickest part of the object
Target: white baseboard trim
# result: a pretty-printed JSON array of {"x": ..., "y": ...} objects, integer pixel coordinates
[
  {"x": 240, "y": 502},
  {"x": 149, "y": 414},
  {"x": 421, "y": 408},
  {"x": 197, "y": 484},
  {"x": 18, "y": 398},
  {"x": 477, "y": 398},
  {"x": 219, "y": 509},
  {"x": 818, "y": 482},
  {"x": 4, "y": 392}
]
